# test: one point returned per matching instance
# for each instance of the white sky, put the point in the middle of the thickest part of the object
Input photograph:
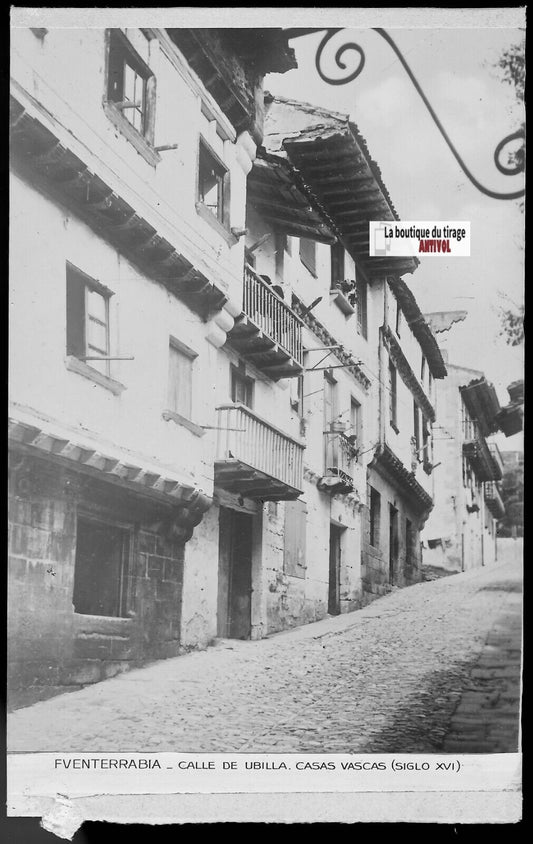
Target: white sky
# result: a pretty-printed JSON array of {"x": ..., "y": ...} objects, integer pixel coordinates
[{"x": 455, "y": 69}]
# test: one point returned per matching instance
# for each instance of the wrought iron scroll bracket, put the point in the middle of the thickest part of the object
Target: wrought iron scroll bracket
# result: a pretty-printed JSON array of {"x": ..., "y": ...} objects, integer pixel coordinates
[{"x": 508, "y": 169}]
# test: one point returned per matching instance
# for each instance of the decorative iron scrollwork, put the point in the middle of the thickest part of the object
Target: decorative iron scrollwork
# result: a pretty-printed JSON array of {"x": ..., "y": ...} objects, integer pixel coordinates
[{"x": 512, "y": 168}]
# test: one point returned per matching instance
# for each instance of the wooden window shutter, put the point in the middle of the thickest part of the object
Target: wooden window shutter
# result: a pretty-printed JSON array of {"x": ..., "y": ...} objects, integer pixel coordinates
[{"x": 295, "y": 527}]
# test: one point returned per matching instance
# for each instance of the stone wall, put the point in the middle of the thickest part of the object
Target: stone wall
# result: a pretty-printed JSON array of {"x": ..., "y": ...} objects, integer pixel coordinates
[{"x": 52, "y": 648}]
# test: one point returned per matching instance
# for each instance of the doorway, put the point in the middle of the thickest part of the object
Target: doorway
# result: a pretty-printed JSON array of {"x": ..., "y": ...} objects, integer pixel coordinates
[
  {"x": 393, "y": 542},
  {"x": 335, "y": 555},
  {"x": 235, "y": 574}
]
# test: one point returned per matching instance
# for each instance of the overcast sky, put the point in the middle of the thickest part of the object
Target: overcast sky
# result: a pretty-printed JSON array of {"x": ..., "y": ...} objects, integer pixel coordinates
[{"x": 455, "y": 68}]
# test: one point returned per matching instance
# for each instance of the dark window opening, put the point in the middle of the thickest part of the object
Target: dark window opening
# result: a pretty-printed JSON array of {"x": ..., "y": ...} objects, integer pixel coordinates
[
  {"x": 337, "y": 264},
  {"x": 87, "y": 319},
  {"x": 416, "y": 429},
  {"x": 212, "y": 184},
  {"x": 398, "y": 319},
  {"x": 129, "y": 82},
  {"x": 101, "y": 569},
  {"x": 362, "y": 319},
  {"x": 242, "y": 388},
  {"x": 308, "y": 254},
  {"x": 375, "y": 512},
  {"x": 393, "y": 398}
]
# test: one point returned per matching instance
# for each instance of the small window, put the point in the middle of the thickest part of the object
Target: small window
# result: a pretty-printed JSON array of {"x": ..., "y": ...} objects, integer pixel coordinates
[
  {"x": 87, "y": 319},
  {"x": 416, "y": 430},
  {"x": 337, "y": 264},
  {"x": 362, "y": 326},
  {"x": 354, "y": 434},
  {"x": 130, "y": 85},
  {"x": 423, "y": 369},
  {"x": 101, "y": 569},
  {"x": 180, "y": 377},
  {"x": 375, "y": 513},
  {"x": 213, "y": 184},
  {"x": 308, "y": 254},
  {"x": 242, "y": 387},
  {"x": 393, "y": 398},
  {"x": 297, "y": 395},
  {"x": 280, "y": 245}
]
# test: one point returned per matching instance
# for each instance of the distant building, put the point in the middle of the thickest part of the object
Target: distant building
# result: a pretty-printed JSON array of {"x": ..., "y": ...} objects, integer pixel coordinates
[
  {"x": 512, "y": 492},
  {"x": 461, "y": 531}
]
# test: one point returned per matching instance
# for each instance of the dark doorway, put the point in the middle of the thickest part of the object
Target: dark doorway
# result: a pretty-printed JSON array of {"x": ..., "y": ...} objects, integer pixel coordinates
[
  {"x": 235, "y": 574},
  {"x": 335, "y": 534},
  {"x": 100, "y": 573},
  {"x": 393, "y": 542}
]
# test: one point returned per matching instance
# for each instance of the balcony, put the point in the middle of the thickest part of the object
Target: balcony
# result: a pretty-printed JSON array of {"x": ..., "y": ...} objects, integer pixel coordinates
[
  {"x": 340, "y": 456},
  {"x": 496, "y": 461},
  {"x": 268, "y": 333},
  {"x": 493, "y": 500},
  {"x": 254, "y": 458}
]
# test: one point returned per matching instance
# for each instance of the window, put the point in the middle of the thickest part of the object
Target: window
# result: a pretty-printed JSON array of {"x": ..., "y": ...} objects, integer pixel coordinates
[
  {"x": 280, "y": 245},
  {"x": 87, "y": 319},
  {"x": 375, "y": 512},
  {"x": 330, "y": 400},
  {"x": 213, "y": 184},
  {"x": 393, "y": 398},
  {"x": 101, "y": 569},
  {"x": 297, "y": 395},
  {"x": 180, "y": 378},
  {"x": 416, "y": 429},
  {"x": 337, "y": 264},
  {"x": 423, "y": 369},
  {"x": 362, "y": 326},
  {"x": 308, "y": 254},
  {"x": 242, "y": 387},
  {"x": 354, "y": 434},
  {"x": 294, "y": 538},
  {"x": 426, "y": 444},
  {"x": 130, "y": 85}
]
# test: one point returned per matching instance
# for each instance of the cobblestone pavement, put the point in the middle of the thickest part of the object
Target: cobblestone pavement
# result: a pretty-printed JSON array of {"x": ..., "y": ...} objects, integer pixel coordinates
[{"x": 431, "y": 667}]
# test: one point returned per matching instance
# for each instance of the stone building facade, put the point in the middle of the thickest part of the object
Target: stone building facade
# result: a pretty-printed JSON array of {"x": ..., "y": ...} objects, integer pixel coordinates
[
  {"x": 461, "y": 531},
  {"x": 221, "y": 407},
  {"x": 127, "y": 205}
]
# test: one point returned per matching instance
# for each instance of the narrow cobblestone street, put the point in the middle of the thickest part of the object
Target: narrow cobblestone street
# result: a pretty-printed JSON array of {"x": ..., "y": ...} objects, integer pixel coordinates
[{"x": 432, "y": 667}]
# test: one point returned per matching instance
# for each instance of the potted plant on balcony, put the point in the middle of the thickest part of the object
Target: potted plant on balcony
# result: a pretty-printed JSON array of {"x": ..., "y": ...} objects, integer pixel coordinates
[{"x": 347, "y": 299}]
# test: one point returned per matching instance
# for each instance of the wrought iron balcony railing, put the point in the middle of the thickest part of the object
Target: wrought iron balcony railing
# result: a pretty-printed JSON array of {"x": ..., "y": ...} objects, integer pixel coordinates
[
  {"x": 340, "y": 458},
  {"x": 494, "y": 500},
  {"x": 254, "y": 458}
]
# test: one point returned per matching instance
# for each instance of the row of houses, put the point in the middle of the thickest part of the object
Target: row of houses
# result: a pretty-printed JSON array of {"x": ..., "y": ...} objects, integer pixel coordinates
[{"x": 225, "y": 417}]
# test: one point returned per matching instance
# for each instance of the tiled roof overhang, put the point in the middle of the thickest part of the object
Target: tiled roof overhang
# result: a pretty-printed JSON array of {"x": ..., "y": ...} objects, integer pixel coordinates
[
  {"x": 392, "y": 469},
  {"x": 40, "y": 440},
  {"x": 39, "y": 156},
  {"x": 482, "y": 403},
  {"x": 231, "y": 62},
  {"x": 408, "y": 376},
  {"x": 277, "y": 191},
  {"x": 420, "y": 328},
  {"x": 333, "y": 158}
]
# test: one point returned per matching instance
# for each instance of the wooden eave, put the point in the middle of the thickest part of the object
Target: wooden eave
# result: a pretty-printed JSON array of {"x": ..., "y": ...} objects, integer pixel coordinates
[
  {"x": 40, "y": 157},
  {"x": 336, "y": 166},
  {"x": 419, "y": 326},
  {"x": 387, "y": 464},
  {"x": 277, "y": 192}
]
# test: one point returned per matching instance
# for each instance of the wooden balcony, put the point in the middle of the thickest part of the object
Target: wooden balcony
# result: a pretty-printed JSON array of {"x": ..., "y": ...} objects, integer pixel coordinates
[
  {"x": 493, "y": 500},
  {"x": 340, "y": 456},
  {"x": 268, "y": 333},
  {"x": 254, "y": 458}
]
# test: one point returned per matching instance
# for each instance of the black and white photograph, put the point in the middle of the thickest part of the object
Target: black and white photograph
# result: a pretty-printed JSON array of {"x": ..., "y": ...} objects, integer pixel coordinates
[{"x": 265, "y": 415}]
